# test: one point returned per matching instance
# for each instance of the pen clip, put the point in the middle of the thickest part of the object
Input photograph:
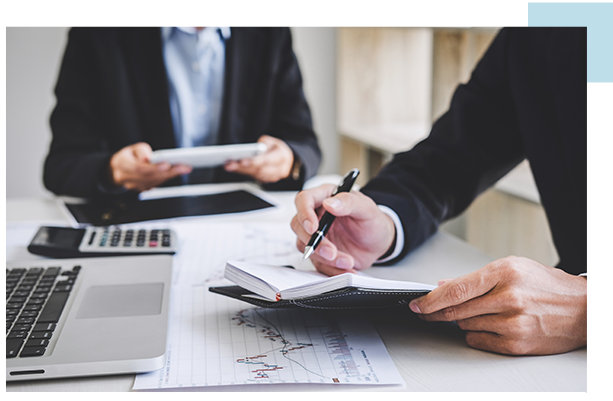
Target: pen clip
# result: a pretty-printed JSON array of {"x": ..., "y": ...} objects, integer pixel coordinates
[{"x": 352, "y": 174}]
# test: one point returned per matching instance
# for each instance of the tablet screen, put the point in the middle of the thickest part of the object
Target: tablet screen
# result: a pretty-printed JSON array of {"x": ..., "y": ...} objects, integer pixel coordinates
[{"x": 101, "y": 214}]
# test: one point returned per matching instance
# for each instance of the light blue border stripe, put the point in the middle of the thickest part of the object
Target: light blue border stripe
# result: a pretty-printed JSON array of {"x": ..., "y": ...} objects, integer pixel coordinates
[{"x": 597, "y": 17}]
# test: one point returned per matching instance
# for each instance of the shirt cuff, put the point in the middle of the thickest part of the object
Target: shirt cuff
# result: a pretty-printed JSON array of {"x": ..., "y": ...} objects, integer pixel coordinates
[
  {"x": 399, "y": 234},
  {"x": 583, "y": 274}
]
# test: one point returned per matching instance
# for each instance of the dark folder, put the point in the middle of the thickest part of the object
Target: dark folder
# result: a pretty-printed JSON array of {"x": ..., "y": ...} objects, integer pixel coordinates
[
  {"x": 342, "y": 299},
  {"x": 132, "y": 211}
]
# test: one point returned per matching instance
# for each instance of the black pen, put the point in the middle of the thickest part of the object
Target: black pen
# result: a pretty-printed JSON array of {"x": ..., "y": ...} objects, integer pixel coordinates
[{"x": 326, "y": 221}]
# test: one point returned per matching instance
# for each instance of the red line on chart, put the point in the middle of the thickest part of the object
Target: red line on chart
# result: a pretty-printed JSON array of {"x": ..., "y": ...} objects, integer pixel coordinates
[
  {"x": 259, "y": 373},
  {"x": 250, "y": 358},
  {"x": 268, "y": 370}
]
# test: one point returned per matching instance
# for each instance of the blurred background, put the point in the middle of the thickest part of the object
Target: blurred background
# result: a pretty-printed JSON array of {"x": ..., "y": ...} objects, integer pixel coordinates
[
  {"x": 372, "y": 92},
  {"x": 33, "y": 58}
]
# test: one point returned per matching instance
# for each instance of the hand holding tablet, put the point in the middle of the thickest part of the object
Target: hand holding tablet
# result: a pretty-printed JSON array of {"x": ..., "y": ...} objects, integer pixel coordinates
[
  {"x": 136, "y": 167},
  {"x": 131, "y": 169},
  {"x": 207, "y": 156}
]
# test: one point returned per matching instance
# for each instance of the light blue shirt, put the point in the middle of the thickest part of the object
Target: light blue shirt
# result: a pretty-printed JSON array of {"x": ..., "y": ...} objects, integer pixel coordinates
[{"x": 195, "y": 62}]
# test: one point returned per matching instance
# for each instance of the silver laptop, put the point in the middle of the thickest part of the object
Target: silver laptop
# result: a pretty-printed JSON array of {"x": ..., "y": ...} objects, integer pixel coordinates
[{"x": 85, "y": 317}]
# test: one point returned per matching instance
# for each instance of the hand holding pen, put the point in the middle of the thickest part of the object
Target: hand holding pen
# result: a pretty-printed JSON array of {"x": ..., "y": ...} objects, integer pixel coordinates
[
  {"x": 361, "y": 232},
  {"x": 326, "y": 221}
]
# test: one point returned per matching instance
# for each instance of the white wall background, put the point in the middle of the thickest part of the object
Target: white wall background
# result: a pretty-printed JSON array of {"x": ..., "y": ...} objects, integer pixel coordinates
[{"x": 33, "y": 57}]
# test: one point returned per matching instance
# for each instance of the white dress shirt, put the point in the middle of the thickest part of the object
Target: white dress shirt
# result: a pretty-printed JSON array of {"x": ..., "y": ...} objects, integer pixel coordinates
[{"x": 195, "y": 62}]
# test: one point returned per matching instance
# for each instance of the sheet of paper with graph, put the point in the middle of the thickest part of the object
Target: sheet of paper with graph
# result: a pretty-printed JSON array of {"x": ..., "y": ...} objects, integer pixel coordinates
[{"x": 214, "y": 340}]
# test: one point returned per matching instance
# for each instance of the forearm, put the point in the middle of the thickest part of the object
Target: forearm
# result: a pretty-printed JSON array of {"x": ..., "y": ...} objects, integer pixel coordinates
[
  {"x": 306, "y": 149},
  {"x": 76, "y": 175}
]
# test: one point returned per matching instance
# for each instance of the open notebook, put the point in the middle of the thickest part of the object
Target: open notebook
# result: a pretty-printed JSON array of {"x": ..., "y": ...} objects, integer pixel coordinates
[{"x": 281, "y": 286}]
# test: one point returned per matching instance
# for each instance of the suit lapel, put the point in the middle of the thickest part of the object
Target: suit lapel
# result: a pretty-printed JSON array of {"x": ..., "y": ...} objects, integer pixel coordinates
[
  {"x": 243, "y": 55},
  {"x": 143, "y": 51}
]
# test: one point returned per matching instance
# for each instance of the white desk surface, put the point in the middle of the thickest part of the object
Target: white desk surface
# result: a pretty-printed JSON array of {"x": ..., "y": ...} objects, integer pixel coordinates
[{"x": 429, "y": 356}]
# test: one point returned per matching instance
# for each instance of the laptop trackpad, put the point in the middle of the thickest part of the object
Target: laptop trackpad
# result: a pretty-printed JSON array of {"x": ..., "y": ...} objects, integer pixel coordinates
[{"x": 122, "y": 300}]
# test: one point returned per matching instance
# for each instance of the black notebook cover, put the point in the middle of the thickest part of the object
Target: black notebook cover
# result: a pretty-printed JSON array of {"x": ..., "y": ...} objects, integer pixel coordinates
[
  {"x": 122, "y": 212},
  {"x": 345, "y": 298}
]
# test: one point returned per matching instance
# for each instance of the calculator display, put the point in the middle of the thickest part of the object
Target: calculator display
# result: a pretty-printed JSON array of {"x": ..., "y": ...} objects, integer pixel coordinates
[{"x": 59, "y": 237}]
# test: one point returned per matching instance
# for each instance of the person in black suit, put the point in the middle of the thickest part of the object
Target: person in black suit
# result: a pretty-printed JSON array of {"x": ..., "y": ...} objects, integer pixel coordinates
[
  {"x": 525, "y": 99},
  {"x": 114, "y": 106}
]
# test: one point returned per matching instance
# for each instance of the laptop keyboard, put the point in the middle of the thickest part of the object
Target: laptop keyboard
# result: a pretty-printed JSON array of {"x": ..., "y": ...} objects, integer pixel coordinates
[{"x": 35, "y": 299}]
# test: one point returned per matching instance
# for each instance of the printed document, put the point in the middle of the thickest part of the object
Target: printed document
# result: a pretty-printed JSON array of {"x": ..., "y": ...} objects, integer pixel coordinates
[{"x": 216, "y": 341}]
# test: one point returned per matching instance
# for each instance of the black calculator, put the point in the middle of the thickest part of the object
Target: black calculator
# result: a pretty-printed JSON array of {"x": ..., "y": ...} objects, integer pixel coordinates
[{"x": 66, "y": 242}]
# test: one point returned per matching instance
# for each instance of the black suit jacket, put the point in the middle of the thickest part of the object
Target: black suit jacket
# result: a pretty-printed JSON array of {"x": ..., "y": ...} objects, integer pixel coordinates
[
  {"x": 525, "y": 99},
  {"x": 112, "y": 92}
]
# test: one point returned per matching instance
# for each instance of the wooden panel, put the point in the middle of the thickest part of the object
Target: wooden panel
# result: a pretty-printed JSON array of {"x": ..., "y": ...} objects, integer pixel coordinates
[
  {"x": 500, "y": 225},
  {"x": 354, "y": 155},
  {"x": 455, "y": 54},
  {"x": 384, "y": 75}
]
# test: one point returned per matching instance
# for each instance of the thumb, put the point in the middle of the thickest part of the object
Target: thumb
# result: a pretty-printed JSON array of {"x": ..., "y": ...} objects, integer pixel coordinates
[
  {"x": 354, "y": 204},
  {"x": 142, "y": 151}
]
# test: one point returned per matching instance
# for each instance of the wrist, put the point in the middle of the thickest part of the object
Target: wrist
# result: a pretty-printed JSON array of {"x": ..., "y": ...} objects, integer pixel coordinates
[
  {"x": 110, "y": 178},
  {"x": 391, "y": 248},
  {"x": 296, "y": 168}
]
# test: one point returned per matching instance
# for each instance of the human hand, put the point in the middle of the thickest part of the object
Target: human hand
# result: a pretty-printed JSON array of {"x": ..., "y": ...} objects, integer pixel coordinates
[
  {"x": 270, "y": 166},
  {"x": 130, "y": 168},
  {"x": 360, "y": 234},
  {"x": 513, "y": 306}
]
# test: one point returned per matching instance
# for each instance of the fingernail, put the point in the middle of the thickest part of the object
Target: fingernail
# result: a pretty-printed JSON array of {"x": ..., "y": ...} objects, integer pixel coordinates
[
  {"x": 308, "y": 226},
  {"x": 334, "y": 203},
  {"x": 326, "y": 253},
  {"x": 413, "y": 306}
]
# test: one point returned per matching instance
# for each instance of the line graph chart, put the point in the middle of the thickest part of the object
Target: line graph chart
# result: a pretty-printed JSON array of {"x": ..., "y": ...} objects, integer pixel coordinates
[{"x": 317, "y": 352}]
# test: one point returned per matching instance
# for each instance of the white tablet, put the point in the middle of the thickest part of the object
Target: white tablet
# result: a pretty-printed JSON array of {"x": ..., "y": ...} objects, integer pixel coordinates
[{"x": 208, "y": 156}]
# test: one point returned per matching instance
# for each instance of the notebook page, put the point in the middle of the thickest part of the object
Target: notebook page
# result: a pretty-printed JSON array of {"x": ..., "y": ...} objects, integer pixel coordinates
[{"x": 279, "y": 277}]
